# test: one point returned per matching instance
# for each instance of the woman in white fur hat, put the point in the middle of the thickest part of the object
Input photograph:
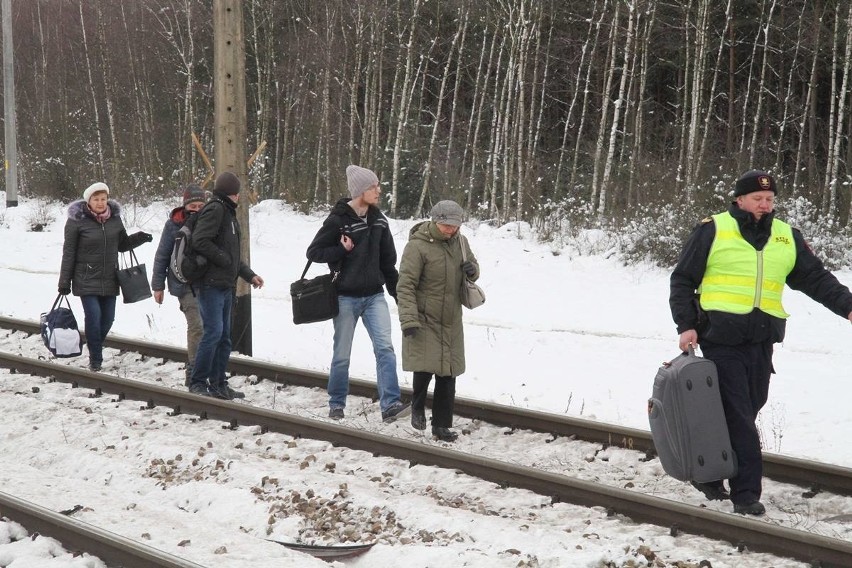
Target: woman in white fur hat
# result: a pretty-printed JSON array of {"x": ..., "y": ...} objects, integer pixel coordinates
[{"x": 94, "y": 235}]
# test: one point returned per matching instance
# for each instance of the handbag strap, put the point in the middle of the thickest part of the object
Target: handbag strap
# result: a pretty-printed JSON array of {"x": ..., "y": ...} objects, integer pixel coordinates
[
  {"x": 58, "y": 302},
  {"x": 133, "y": 260},
  {"x": 463, "y": 247},
  {"x": 336, "y": 273}
]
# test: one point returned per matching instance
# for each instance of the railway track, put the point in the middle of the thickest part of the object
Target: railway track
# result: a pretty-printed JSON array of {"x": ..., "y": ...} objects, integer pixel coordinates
[
  {"x": 748, "y": 533},
  {"x": 75, "y": 535},
  {"x": 807, "y": 473}
]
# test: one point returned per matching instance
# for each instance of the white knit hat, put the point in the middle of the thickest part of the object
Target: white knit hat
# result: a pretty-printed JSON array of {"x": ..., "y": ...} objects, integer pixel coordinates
[
  {"x": 94, "y": 188},
  {"x": 359, "y": 180}
]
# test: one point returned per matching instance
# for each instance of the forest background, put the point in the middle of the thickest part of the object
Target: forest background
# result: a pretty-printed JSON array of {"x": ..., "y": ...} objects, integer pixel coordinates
[{"x": 630, "y": 116}]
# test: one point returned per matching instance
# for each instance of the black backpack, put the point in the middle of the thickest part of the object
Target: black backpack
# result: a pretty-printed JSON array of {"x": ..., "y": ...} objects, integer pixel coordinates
[{"x": 186, "y": 264}]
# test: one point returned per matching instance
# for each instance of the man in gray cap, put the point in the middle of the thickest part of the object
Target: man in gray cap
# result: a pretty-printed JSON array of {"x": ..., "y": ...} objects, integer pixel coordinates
[
  {"x": 726, "y": 293},
  {"x": 356, "y": 242}
]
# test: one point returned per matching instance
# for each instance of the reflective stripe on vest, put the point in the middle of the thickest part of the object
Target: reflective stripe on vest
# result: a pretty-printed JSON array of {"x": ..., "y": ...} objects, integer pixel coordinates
[{"x": 739, "y": 278}]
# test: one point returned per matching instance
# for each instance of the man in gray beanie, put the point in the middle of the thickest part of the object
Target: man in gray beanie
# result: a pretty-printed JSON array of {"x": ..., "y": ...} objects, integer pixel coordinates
[{"x": 355, "y": 241}]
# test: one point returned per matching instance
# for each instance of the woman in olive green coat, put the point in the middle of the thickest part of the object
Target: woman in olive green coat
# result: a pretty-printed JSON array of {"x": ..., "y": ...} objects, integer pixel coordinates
[{"x": 430, "y": 313}]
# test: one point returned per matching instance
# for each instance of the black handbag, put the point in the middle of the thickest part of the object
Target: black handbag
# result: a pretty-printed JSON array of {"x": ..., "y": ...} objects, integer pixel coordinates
[
  {"x": 315, "y": 299},
  {"x": 133, "y": 281},
  {"x": 59, "y": 330}
]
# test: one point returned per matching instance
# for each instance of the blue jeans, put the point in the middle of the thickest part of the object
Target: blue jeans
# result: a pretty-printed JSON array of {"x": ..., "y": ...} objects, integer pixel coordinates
[
  {"x": 99, "y": 314},
  {"x": 373, "y": 310},
  {"x": 214, "y": 349}
]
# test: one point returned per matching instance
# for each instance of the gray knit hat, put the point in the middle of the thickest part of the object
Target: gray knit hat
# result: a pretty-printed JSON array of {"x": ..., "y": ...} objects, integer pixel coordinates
[
  {"x": 193, "y": 193},
  {"x": 359, "y": 180},
  {"x": 447, "y": 213}
]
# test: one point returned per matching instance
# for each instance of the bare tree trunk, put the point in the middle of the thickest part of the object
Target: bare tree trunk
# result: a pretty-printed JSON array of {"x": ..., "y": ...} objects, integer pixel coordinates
[
  {"x": 454, "y": 109},
  {"x": 108, "y": 94},
  {"x": 322, "y": 156},
  {"x": 745, "y": 104},
  {"x": 636, "y": 159},
  {"x": 438, "y": 114},
  {"x": 779, "y": 151},
  {"x": 619, "y": 103},
  {"x": 841, "y": 110},
  {"x": 761, "y": 88},
  {"x": 101, "y": 165},
  {"x": 809, "y": 100},
  {"x": 604, "y": 120},
  {"x": 585, "y": 105},
  {"x": 712, "y": 98},
  {"x": 404, "y": 103},
  {"x": 826, "y": 200}
]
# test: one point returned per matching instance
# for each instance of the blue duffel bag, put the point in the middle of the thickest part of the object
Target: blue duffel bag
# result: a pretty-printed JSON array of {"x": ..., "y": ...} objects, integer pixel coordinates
[{"x": 59, "y": 330}]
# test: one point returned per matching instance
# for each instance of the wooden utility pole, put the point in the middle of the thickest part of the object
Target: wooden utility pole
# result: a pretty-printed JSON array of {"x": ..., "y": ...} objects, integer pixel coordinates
[
  {"x": 11, "y": 136},
  {"x": 229, "y": 102}
]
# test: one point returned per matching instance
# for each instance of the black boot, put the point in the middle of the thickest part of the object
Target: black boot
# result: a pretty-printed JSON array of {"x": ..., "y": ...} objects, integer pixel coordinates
[
  {"x": 418, "y": 419},
  {"x": 444, "y": 434}
]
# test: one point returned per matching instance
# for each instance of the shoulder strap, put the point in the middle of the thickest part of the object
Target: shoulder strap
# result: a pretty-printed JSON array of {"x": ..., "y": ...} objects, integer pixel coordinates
[{"x": 463, "y": 243}]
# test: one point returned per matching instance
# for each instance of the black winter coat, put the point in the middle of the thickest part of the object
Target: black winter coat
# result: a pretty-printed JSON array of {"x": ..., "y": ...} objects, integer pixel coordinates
[
  {"x": 161, "y": 273},
  {"x": 216, "y": 237},
  {"x": 90, "y": 251},
  {"x": 808, "y": 276},
  {"x": 371, "y": 264}
]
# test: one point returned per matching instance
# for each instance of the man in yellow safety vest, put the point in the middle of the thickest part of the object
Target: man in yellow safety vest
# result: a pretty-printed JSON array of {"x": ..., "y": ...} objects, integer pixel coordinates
[{"x": 726, "y": 293}]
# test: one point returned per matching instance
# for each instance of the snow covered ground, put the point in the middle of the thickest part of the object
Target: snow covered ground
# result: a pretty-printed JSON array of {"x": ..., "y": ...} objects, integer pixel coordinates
[{"x": 562, "y": 332}]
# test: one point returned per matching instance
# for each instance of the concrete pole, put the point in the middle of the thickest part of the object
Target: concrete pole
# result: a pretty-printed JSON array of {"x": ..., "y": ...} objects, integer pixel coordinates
[
  {"x": 229, "y": 102},
  {"x": 11, "y": 138}
]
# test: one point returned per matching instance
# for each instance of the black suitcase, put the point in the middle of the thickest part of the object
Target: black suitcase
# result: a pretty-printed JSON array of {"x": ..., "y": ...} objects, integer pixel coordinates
[{"x": 688, "y": 422}]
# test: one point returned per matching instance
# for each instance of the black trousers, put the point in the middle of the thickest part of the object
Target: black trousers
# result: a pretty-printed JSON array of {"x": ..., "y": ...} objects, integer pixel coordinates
[
  {"x": 442, "y": 401},
  {"x": 744, "y": 372}
]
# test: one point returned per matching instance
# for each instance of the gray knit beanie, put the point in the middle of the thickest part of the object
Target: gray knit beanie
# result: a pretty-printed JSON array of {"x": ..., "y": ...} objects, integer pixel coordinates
[{"x": 359, "y": 180}]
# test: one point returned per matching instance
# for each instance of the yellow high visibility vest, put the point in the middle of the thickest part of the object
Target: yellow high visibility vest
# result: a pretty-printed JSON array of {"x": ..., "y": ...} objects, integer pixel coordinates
[{"x": 739, "y": 278}]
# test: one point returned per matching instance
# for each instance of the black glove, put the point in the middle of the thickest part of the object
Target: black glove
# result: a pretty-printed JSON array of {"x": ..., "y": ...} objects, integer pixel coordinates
[
  {"x": 64, "y": 290},
  {"x": 409, "y": 332},
  {"x": 469, "y": 268},
  {"x": 146, "y": 237}
]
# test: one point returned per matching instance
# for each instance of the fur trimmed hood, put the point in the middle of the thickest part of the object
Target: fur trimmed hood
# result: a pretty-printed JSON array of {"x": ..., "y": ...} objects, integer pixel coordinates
[{"x": 79, "y": 210}]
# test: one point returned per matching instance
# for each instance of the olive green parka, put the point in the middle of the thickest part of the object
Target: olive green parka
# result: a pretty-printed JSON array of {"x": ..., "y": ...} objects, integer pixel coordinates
[{"x": 430, "y": 279}]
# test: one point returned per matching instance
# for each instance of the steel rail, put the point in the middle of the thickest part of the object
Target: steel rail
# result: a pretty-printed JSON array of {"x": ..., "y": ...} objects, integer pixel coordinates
[
  {"x": 807, "y": 473},
  {"x": 113, "y": 549},
  {"x": 744, "y": 532}
]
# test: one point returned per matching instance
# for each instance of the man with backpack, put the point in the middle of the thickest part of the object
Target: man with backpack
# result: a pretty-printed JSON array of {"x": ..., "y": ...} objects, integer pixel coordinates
[
  {"x": 193, "y": 200},
  {"x": 216, "y": 238}
]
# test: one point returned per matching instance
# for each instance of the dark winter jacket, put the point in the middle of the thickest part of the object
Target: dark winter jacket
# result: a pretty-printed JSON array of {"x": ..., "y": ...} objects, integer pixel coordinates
[
  {"x": 808, "y": 276},
  {"x": 90, "y": 251},
  {"x": 161, "y": 273},
  {"x": 217, "y": 238},
  {"x": 370, "y": 264},
  {"x": 430, "y": 279}
]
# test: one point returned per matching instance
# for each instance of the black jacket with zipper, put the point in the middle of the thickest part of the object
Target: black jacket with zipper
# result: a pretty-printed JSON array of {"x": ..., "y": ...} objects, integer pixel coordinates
[
  {"x": 90, "y": 250},
  {"x": 370, "y": 264},
  {"x": 216, "y": 237}
]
